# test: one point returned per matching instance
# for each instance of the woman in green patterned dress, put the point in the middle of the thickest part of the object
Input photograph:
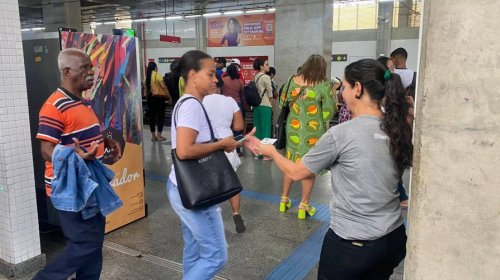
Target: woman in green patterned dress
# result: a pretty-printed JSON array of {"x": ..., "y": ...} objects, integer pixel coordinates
[{"x": 312, "y": 105}]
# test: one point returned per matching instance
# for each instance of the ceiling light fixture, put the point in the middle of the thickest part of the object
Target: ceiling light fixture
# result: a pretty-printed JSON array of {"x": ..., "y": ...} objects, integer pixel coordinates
[
  {"x": 271, "y": 10},
  {"x": 95, "y": 23},
  {"x": 109, "y": 22},
  {"x": 25, "y": 29},
  {"x": 156, "y": 18},
  {"x": 233, "y": 13},
  {"x": 125, "y": 21},
  {"x": 38, "y": 28},
  {"x": 212, "y": 14},
  {"x": 256, "y": 11},
  {"x": 174, "y": 17},
  {"x": 140, "y": 20},
  {"x": 192, "y": 16}
]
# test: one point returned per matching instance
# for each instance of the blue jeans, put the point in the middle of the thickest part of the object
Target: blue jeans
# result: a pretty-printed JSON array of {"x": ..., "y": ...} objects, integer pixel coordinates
[
  {"x": 205, "y": 247},
  {"x": 83, "y": 251}
]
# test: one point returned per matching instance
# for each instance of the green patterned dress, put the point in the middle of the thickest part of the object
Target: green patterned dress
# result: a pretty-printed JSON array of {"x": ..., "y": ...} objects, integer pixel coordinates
[{"x": 308, "y": 118}]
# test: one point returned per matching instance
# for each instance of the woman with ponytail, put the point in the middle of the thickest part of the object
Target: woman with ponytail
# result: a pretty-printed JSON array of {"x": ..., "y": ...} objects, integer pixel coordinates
[{"x": 366, "y": 157}]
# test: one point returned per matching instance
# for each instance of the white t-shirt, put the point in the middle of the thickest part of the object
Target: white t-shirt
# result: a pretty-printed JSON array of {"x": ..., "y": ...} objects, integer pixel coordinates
[
  {"x": 221, "y": 110},
  {"x": 406, "y": 76},
  {"x": 190, "y": 114}
]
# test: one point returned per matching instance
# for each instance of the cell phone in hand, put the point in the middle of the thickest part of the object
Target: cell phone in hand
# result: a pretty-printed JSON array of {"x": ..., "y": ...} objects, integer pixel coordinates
[{"x": 239, "y": 138}]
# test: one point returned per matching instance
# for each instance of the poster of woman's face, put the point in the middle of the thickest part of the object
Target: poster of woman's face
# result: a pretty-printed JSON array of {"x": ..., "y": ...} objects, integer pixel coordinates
[{"x": 233, "y": 26}]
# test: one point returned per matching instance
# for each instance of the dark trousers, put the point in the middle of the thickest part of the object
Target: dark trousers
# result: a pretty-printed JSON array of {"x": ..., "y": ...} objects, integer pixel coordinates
[
  {"x": 361, "y": 260},
  {"x": 402, "y": 192},
  {"x": 156, "y": 109},
  {"x": 83, "y": 251}
]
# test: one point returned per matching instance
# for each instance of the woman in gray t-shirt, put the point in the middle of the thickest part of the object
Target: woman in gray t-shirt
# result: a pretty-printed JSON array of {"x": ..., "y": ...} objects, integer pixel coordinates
[{"x": 366, "y": 156}]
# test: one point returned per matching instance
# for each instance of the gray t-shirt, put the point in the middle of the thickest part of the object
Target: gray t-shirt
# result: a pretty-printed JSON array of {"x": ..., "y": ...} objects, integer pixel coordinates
[{"x": 365, "y": 203}]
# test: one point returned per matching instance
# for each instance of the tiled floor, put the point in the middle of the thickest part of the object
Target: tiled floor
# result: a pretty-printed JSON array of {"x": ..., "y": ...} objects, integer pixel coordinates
[{"x": 151, "y": 248}]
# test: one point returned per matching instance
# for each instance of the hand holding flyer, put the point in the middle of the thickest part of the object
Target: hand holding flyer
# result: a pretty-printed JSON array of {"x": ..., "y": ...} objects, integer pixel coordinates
[{"x": 269, "y": 141}]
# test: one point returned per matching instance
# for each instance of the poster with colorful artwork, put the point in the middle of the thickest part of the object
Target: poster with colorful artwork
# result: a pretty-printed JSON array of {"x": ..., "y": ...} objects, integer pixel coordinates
[
  {"x": 244, "y": 30},
  {"x": 116, "y": 100},
  {"x": 246, "y": 65}
]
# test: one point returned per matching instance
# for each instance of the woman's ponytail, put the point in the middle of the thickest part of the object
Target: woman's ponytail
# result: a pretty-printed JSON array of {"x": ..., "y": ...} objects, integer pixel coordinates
[
  {"x": 386, "y": 88},
  {"x": 395, "y": 123}
]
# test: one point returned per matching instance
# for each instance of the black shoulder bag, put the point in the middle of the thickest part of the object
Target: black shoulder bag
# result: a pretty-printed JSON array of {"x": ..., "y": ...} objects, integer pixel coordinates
[
  {"x": 205, "y": 181},
  {"x": 280, "y": 128}
]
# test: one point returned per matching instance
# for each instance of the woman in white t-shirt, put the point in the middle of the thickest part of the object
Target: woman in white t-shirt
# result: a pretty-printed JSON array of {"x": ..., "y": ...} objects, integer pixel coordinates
[
  {"x": 225, "y": 116},
  {"x": 205, "y": 247}
]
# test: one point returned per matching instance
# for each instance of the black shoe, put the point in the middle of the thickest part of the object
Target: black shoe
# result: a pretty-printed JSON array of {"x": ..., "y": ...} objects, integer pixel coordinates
[{"x": 238, "y": 222}]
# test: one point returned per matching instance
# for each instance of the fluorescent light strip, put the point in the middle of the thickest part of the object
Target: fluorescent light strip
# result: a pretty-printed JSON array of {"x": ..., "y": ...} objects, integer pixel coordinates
[
  {"x": 193, "y": 16},
  {"x": 271, "y": 10},
  {"x": 174, "y": 17},
  {"x": 140, "y": 20},
  {"x": 233, "y": 13},
  {"x": 38, "y": 28},
  {"x": 125, "y": 21},
  {"x": 109, "y": 22},
  {"x": 156, "y": 18},
  {"x": 95, "y": 23},
  {"x": 212, "y": 14},
  {"x": 255, "y": 11},
  {"x": 25, "y": 29}
]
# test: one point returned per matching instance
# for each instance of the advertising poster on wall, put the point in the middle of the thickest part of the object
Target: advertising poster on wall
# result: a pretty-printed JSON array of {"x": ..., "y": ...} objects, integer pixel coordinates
[
  {"x": 246, "y": 65},
  {"x": 116, "y": 100},
  {"x": 244, "y": 30}
]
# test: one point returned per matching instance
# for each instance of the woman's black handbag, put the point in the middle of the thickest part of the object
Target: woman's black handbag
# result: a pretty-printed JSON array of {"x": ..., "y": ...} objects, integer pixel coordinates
[
  {"x": 280, "y": 128},
  {"x": 205, "y": 181}
]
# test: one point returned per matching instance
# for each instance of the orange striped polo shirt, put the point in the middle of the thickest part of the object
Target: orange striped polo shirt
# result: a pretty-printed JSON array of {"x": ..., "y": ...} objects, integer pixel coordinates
[{"x": 62, "y": 117}]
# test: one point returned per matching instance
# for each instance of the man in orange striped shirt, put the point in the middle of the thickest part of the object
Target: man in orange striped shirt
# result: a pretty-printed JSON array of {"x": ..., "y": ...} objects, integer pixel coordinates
[{"x": 67, "y": 119}]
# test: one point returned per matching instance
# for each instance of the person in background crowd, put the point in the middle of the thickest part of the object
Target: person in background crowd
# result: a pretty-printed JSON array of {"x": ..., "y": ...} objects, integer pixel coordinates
[
  {"x": 225, "y": 115},
  {"x": 172, "y": 81},
  {"x": 220, "y": 65},
  {"x": 65, "y": 118},
  {"x": 233, "y": 87},
  {"x": 366, "y": 157},
  {"x": 312, "y": 106},
  {"x": 156, "y": 105},
  {"x": 399, "y": 57},
  {"x": 236, "y": 62},
  {"x": 272, "y": 73},
  {"x": 262, "y": 114},
  {"x": 205, "y": 247},
  {"x": 388, "y": 63}
]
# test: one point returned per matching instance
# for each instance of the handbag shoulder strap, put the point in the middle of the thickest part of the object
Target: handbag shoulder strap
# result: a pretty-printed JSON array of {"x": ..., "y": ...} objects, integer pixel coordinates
[
  {"x": 288, "y": 87},
  {"x": 204, "y": 111},
  {"x": 258, "y": 85}
]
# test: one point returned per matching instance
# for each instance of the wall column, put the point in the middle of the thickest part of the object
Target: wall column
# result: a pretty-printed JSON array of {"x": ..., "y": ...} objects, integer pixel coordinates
[
  {"x": 454, "y": 219},
  {"x": 384, "y": 28},
  {"x": 19, "y": 234},
  {"x": 62, "y": 13},
  {"x": 302, "y": 28}
]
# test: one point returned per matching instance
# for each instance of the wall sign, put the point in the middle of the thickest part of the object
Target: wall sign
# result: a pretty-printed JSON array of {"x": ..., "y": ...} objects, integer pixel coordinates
[
  {"x": 244, "y": 30},
  {"x": 339, "y": 57}
]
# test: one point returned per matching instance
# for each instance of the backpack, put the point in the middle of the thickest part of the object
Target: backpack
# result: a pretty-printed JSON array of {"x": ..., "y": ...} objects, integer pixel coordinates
[
  {"x": 251, "y": 93},
  {"x": 410, "y": 90}
]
